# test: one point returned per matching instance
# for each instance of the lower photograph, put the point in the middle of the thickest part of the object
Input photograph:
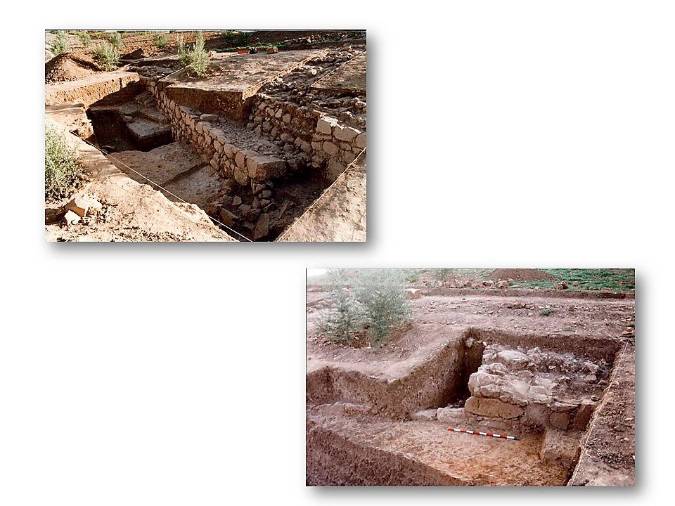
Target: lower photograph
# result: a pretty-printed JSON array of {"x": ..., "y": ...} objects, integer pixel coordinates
[{"x": 470, "y": 377}]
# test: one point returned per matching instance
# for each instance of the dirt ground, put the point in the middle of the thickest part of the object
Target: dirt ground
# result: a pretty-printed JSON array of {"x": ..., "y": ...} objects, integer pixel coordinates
[{"x": 362, "y": 401}]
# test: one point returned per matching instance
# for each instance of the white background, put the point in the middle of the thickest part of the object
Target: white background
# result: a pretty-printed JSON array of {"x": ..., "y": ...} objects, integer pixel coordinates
[{"x": 532, "y": 134}]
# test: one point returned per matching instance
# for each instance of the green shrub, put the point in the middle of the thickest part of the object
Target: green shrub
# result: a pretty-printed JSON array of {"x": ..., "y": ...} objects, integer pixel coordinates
[
  {"x": 381, "y": 293},
  {"x": 84, "y": 37},
  {"x": 115, "y": 39},
  {"x": 60, "y": 44},
  {"x": 183, "y": 55},
  {"x": 377, "y": 304},
  {"x": 62, "y": 170},
  {"x": 547, "y": 311},
  {"x": 107, "y": 55},
  {"x": 196, "y": 60},
  {"x": 161, "y": 40},
  {"x": 344, "y": 318}
]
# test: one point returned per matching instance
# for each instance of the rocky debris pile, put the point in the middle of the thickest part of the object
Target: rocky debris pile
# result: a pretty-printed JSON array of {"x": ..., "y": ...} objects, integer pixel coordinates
[
  {"x": 155, "y": 71},
  {"x": 256, "y": 212},
  {"x": 540, "y": 388},
  {"x": 296, "y": 87},
  {"x": 81, "y": 209}
]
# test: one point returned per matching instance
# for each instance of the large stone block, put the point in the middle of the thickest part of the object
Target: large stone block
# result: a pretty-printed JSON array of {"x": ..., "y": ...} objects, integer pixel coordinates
[
  {"x": 325, "y": 125},
  {"x": 492, "y": 408},
  {"x": 263, "y": 168},
  {"x": 345, "y": 133}
]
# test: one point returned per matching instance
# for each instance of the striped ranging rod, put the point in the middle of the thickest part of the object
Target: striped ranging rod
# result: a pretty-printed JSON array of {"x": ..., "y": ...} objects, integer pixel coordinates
[{"x": 477, "y": 433}]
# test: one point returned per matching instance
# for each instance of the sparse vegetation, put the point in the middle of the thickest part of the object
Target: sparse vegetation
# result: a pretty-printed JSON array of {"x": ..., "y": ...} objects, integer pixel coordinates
[
  {"x": 442, "y": 274},
  {"x": 60, "y": 44},
  {"x": 115, "y": 39},
  {"x": 344, "y": 318},
  {"x": 62, "y": 170},
  {"x": 107, "y": 55},
  {"x": 234, "y": 38},
  {"x": 196, "y": 59},
  {"x": 161, "y": 40},
  {"x": 382, "y": 294},
  {"x": 84, "y": 37},
  {"x": 377, "y": 304}
]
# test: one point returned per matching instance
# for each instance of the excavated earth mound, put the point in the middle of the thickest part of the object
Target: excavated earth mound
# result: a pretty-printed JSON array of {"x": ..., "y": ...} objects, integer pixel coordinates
[{"x": 64, "y": 68}]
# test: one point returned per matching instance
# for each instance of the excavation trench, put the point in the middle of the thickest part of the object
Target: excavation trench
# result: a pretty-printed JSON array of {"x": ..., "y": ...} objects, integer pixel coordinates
[
  {"x": 141, "y": 141},
  {"x": 395, "y": 430}
]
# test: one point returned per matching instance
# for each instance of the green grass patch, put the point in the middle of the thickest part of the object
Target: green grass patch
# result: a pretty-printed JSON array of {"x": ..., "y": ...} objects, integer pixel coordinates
[{"x": 615, "y": 280}]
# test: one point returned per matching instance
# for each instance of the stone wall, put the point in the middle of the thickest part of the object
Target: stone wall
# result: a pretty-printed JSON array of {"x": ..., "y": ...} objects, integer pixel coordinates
[
  {"x": 212, "y": 143},
  {"x": 327, "y": 142}
]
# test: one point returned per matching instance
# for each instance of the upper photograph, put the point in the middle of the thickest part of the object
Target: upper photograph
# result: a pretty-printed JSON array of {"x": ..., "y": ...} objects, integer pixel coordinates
[{"x": 205, "y": 136}]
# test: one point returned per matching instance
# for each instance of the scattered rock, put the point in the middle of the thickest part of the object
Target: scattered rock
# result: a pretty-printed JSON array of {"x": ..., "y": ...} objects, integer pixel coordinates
[
  {"x": 261, "y": 227},
  {"x": 71, "y": 218},
  {"x": 82, "y": 204}
]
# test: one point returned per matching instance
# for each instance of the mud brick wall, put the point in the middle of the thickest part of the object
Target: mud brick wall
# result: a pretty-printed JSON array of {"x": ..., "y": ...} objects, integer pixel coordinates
[
  {"x": 328, "y": 142},
  {"x": 194, "y": 128}
]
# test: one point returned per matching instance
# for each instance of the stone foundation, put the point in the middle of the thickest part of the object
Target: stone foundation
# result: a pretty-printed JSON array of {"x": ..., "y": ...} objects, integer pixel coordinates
[{"x": 327, "y": 142}]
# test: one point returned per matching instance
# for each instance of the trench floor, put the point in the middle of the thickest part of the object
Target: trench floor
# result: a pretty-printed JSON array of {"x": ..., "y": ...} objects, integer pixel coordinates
[{"x": 473, "y": 460}]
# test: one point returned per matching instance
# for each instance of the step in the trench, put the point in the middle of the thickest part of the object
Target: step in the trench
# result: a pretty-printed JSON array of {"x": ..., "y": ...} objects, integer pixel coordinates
[
  {"x": 147, "y": 133},
  {"x": 144, "y": 125},
  {"x": 233, "y": 149}
]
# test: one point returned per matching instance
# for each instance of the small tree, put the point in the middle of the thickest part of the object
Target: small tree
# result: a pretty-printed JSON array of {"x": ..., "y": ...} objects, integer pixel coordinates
[
  {"x": 381, "y": 293},
  {"x": 344, "y": 318},
  {"x": 196, "y": 60},
  {"x": 60, "y": 44}
]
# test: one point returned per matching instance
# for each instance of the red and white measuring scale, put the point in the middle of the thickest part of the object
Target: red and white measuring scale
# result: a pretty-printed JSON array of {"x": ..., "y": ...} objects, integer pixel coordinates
[{"x": 478, "y": 433}]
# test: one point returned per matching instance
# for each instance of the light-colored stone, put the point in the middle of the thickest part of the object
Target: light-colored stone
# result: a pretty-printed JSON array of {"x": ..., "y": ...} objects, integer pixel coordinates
[
  {"x": 492, "y": 408},
  {"x": 71, "y": 218},
  {"x": 513, "y": 359},
  {"x": 325, "y": 125},
  {"x": 450, "y": 415},
  {"x": 425, "y": 414},
  {"x": 82, "y": 204},
  {"x": 345, "y": 133}
]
